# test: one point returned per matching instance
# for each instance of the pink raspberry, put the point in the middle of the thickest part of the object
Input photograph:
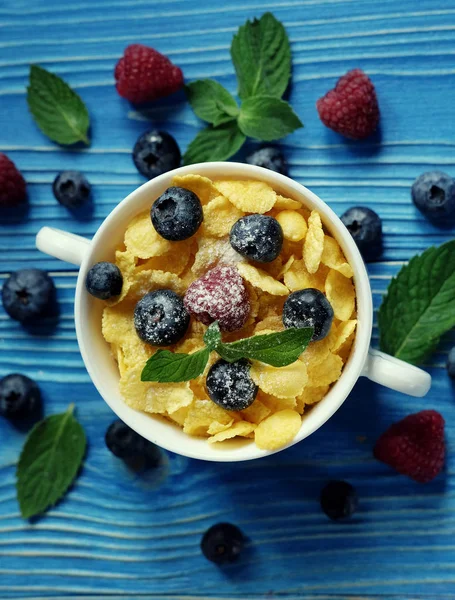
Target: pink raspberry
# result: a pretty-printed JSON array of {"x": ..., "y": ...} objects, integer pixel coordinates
[
  {"x": 219, "y": 295},
  {"x": 12, "y": 184}
]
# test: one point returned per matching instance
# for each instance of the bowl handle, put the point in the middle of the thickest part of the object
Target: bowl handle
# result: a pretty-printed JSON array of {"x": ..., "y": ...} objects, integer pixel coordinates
[
  {"x": 62, "y": 244},
  {"x": 396, "y": 374}
]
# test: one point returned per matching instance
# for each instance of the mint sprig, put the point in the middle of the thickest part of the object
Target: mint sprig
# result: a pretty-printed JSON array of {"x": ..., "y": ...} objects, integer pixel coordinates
[
  {"x": 57, "y": 110},
  {"x": 262, "y": 59},
  {"x": 276, "y": 349},
  {"x": 49, "y": 462},
  {"x": 419, "y": 306}
]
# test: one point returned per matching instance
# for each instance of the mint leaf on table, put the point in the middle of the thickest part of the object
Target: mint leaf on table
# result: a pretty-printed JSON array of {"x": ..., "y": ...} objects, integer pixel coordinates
[
  {"x": 267, "y": 118},
  {"x": 261, "y": 55},
  {"x": 276, "y": 349},
  {"x": 214, "y": 143},
  {"x": 419, "y": 305},
  {"x": 58, "y": 111},
  {"x": 167, "y": 367},
  {"x": 212, "y": 337},
  {"x": 49, "y": 462},
  {"x": 211, "y": 101}
]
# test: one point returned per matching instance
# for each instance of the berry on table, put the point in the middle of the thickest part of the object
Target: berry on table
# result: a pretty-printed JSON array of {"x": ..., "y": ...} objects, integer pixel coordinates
[
  {"x": 269, "y": 157},
  {"x": 351, "y": 108},
  {"x": 451, "y": 363},
  {"x": 160, "y": 318},
  {"x": 365, "y": 226},
  {"x": 219, "y": 295},
  {"x": 257, "y": 237},
  {"x": 155, "y": 153},
  {"x": 20, "y": 397},
  {"x": 414, "y": 446},
  {"x": 125, "y": 443},
  {"x": 433, "y": 193},
  {"x": 308, "y": 308},
  {"x": 222, "y": 543},
  {"x": 177, "y": 214},
  {"x": 104, "y": 280},
  {"x": 28, "y": 294},
  {"x": 339, "y": 500},
  {"x": 144, "y": 74},
  {"x": 230, "y": 386},
  {"x": 12, "y": 184},
  {"x": 71, "y": 189}
]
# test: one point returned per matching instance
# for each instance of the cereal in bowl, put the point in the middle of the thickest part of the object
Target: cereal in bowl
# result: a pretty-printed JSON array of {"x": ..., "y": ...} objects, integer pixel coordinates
[{"x": 237, "y": 311}]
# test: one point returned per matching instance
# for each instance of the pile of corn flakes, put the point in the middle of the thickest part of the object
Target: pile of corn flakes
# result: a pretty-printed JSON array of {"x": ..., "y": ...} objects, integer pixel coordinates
[{"x": 309, "y": 259}]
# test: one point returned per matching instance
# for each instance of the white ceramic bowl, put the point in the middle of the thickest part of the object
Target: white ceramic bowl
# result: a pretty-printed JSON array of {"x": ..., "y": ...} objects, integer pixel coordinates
[{"x": 103, "y": 369}]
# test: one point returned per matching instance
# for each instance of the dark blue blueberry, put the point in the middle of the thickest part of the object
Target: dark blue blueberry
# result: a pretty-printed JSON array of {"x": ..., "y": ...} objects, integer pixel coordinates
[
  {"x": 71, "y": 189},
  {"x": 177, "y": 214},
  {"x": 222, "y": 543},
  {"x": 156, "y": 152},
  {"x": 230, "y": 385},
  {"x": 161, "y": 318},
  {"x": 257, "y": 237},
  {"x": 126, "y": 444},
  {"x": 269, "y": 157},
  {"x": 365, "y": 226},
  {"x": 434, "y": 195},
  {"x": 451, "y": 363},
  {"x": 104, "y": 280},
  {"x": 339, "y": 500},
  {"x": 20, "y": 397},
  {"x": 308, "y": 308},
  {"x": 28, "y": 294}
]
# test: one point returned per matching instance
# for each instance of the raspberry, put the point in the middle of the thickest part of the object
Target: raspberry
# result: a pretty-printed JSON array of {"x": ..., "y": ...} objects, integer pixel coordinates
[
  {"x": 12, "y": 184},
  {"x": 143, "y": 74},
  {"x": 219, "y": 295},
  {"x": 414, "y": 446},
  {"x": 351, "y": 108}
]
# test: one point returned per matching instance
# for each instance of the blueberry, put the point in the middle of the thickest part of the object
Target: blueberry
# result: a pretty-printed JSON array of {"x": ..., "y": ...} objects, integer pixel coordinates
[
  {"x": 339, "y": 500},
  {"x": 71, "y": 189},
  {"x": 451, "y": 363},
  {"x": 230, "y": 386},
  {"x": 104, "y": 280},
  {"x": 308, "y": 308},
  {"x": 222, "y": 543},
  {"x": 177, "y": 214},
  {"x": 269, "y": 157},
  {"x": 126, "y": 444},
  {"x": 257, "y": 237},
  {"x": 28, "y": 294},
  {"x": 20, "y": 397},
  {"x": 365, "y": 226},
  {"x": 434, "y": 195},
  {"x": 156, "y": 152},
  {"x": 161, "y": 318}
]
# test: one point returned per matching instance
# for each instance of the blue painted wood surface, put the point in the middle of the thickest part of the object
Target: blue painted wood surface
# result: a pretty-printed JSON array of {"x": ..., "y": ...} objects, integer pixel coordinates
[{"x": 119, "y": 535}]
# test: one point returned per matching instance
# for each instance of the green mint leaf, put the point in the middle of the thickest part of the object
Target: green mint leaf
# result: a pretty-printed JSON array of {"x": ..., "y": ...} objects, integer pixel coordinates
[
  {"x": 49, "y": 462},
  {"x": 419, "y": 305},
  {"x": 212, "y": 337},
  {"x": 167, "y": 367},
  {"x": 58, "y": 111},
  {"x": 261, "y": 55},
  {"x": 276, "y": 349},
  {"x": 214, "y": 143},
  {"x": 267, "y": 118},
  {"x": 211, "y": 101}
]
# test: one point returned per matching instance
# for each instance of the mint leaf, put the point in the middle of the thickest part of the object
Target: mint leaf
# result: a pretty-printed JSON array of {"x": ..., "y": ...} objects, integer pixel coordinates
[
  {"x": 211, "y": 101},
  {"x": 276, "y": 349},
  {"x": 58, "y": 111},
  {"x": 214, "y": 143},
  {"x": 49, "y": 462},
  {"x": 261, "y": 55},
  {"x": 267, "y": 118},
  {"x": 212, "y": 337},
  {"x": 419, "y": 305},
  {"x": 166, "y": 367}
]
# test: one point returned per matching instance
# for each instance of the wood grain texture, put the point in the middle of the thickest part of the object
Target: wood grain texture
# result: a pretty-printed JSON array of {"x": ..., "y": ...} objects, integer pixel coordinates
[{"x": 119, "y": 535}]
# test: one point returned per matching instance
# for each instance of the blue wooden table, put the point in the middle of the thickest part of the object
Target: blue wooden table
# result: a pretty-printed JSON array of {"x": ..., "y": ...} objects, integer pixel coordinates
[{"x": 119, "y": 535}]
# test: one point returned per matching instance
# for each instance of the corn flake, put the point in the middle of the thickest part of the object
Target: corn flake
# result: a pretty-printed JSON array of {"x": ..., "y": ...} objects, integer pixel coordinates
[
  {"x": 333, "y": 257},
  {"x": 314, "y": 243},
  {"x": 278, "y": 430},
  {"x": 312, "y": 395},
  {"x": 326, "y": 372},
  {"x": 147, "y": 281},
  {"x": 343, "y": 331},
  {"x": 297, "y": 277},
  {"x": 256, "y": 413},
  {"x": 126, "y": 262},
  {"x": 340, "y": 293},
  {"x": 275, "y": 404},
  {"x": 142, "y": 240},
  {"x": 262, "y": 280},
  {"x": 174, "y": 261},
  {"x": 201, "y": 414},
  {"x": 248, "y": 196},
  {"x": 293, "y": 225},
  {"x": 219, "y": 217},
  {"x": 199, "y": 185},
  {"x": 168, "y": 398},
  {"x": 283, "y": 203},
  {"x": 241, "y": 428},
  {"x": 282, "y": 382},
  {"x": 216, "y": 427}
]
